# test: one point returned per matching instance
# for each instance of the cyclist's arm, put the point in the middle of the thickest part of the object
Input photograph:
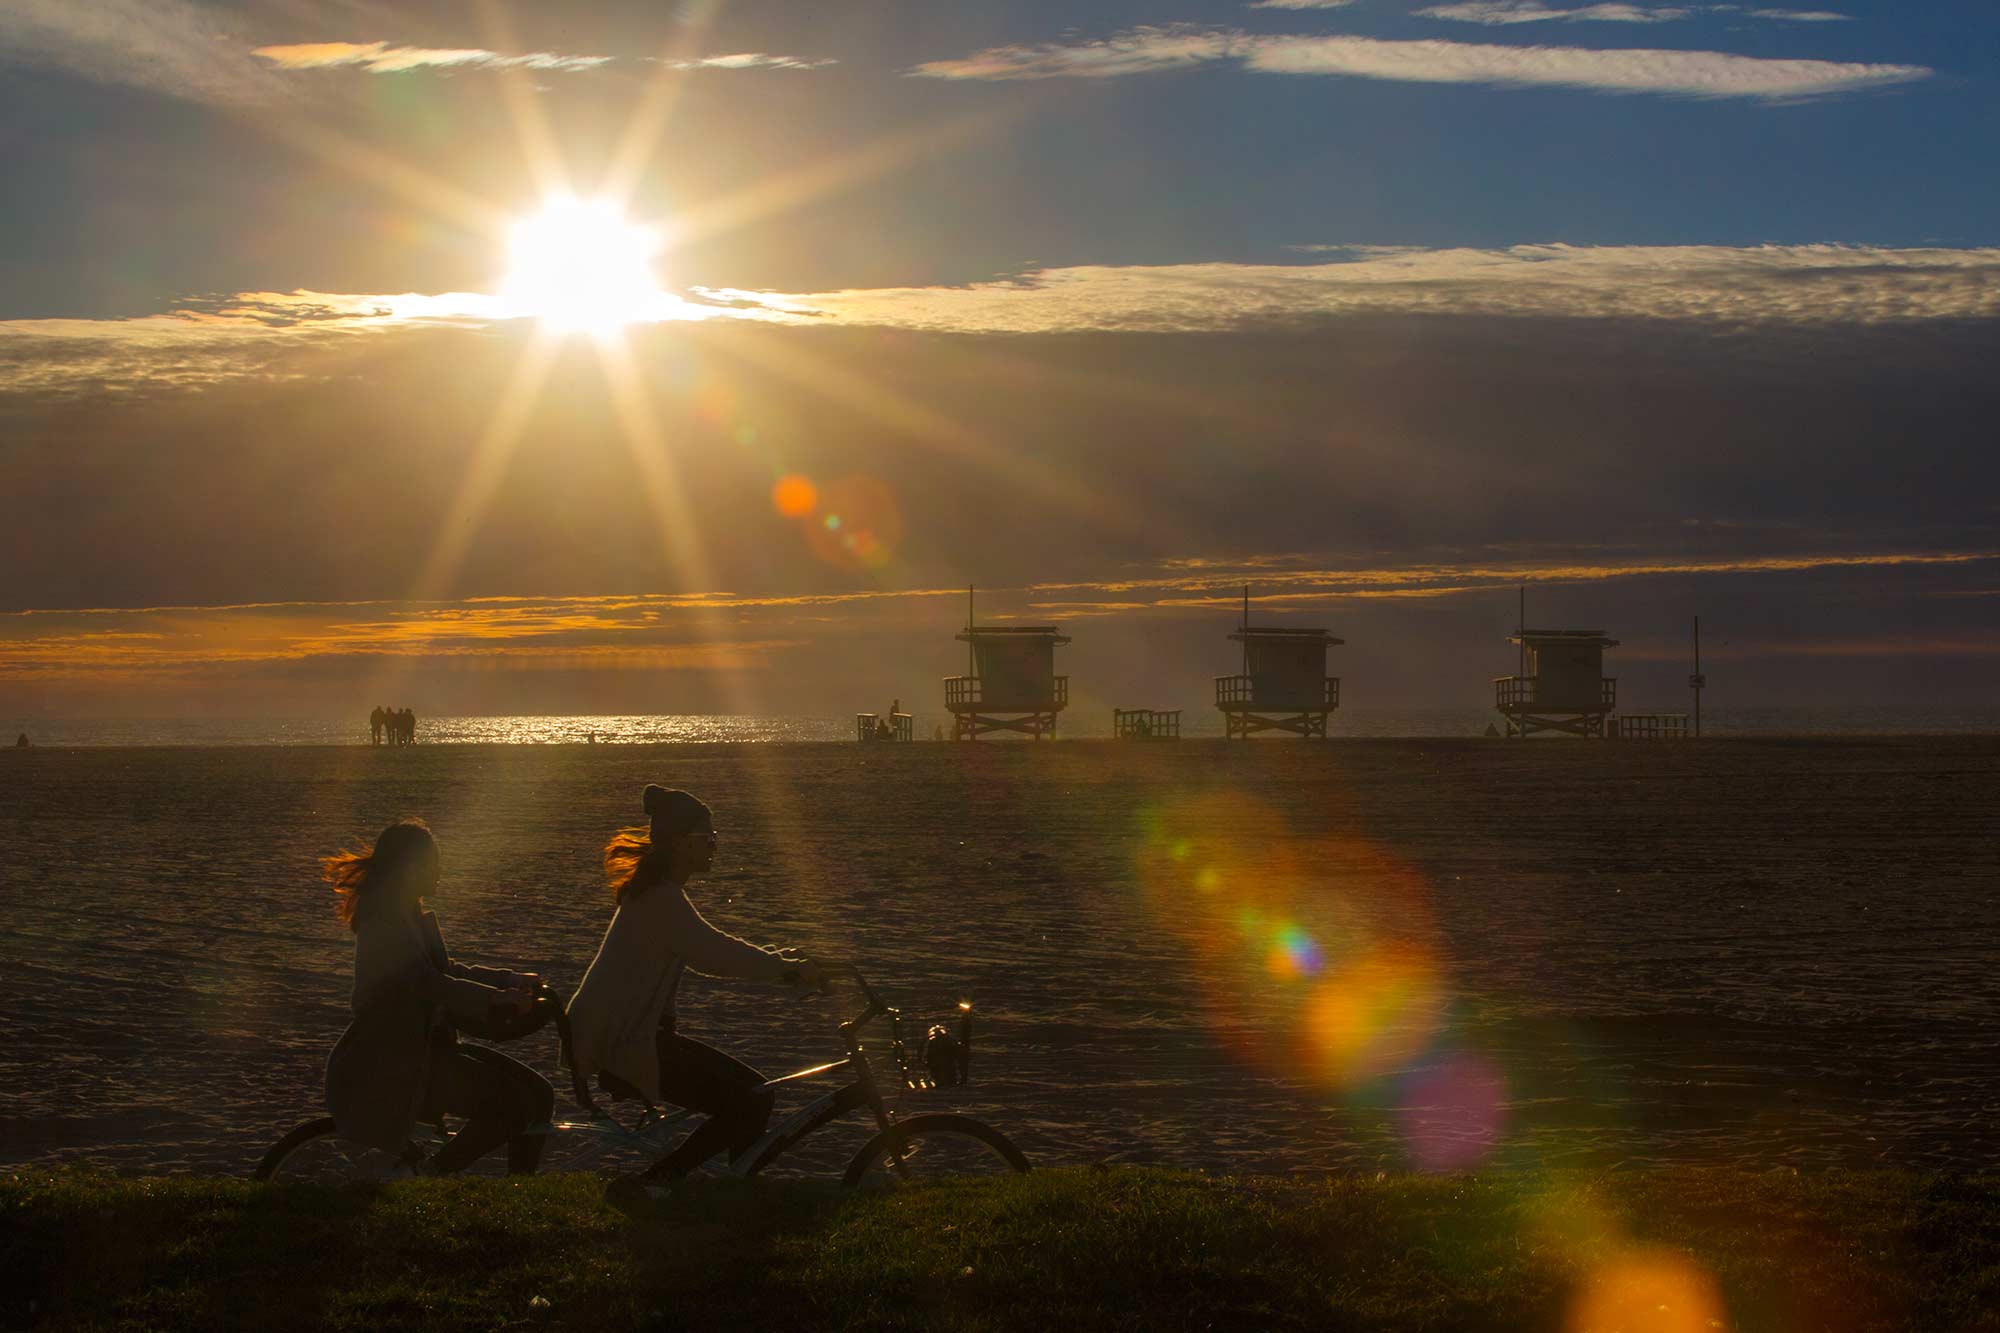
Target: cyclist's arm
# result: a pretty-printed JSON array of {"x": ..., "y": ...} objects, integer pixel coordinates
[{"x": 717, "y": 953}]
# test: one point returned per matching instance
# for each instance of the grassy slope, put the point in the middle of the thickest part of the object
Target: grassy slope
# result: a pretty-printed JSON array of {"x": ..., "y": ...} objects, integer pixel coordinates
[{"x": 1072, "y": 1248}]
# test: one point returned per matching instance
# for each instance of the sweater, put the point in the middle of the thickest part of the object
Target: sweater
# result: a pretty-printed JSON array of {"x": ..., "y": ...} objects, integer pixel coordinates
[{"x": 628, "y": 993}]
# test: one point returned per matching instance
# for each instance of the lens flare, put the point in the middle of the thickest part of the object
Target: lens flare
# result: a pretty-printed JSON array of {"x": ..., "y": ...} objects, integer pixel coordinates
[
  {"x": 859, "y": 524},
  {"x": 1315, "y": 954},
  {"x": 1648, "y": 1291},
  {"x": 795, "y": 496},
  {"x": 1452, "y": 1115}
]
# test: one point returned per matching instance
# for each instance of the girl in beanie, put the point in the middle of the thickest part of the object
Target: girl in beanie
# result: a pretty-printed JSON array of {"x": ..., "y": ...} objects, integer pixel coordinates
[{"x": 622, "y": 1016}]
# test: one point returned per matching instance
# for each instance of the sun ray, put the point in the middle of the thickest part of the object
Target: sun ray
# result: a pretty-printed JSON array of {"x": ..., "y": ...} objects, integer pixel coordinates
[
  {"x": 941, "y": 431},
  {"x": 524, "y": 108},
  {"x": 649, "y": 117},
  {"x": 836, "y": 174},
  {"x": 487, "y": 467}
]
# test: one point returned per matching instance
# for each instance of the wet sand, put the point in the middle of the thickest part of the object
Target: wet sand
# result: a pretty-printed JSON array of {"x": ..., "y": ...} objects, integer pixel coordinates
[{"x": 1269, "y": 957}]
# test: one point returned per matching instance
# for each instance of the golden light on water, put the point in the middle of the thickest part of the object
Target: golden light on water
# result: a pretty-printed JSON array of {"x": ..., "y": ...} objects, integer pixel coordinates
[{"x": 579, "y": 266}]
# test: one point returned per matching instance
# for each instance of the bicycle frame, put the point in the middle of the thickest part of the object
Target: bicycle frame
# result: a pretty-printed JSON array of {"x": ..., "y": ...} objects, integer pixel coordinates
[{"x": 777, "y": 1140}]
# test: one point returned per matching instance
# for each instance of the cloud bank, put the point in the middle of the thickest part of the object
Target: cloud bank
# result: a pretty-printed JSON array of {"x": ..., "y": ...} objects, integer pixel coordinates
[
  {"x": 1802, "y": 285},
  {"x": 382, "y": 58},
  {"x": 1703, "y": 74},
  {"x": 261, "y": 334},
  {"x": 1498, "y": 12}
]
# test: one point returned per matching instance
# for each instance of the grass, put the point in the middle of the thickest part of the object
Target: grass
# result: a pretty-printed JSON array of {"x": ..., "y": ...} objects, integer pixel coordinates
[{"x": 1072, "y": 1249}]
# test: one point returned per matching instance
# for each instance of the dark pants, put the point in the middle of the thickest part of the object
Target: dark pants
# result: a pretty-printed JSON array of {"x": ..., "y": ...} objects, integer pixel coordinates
[
  {"x": 501, "y": 1099},
  {"x": 729, "y": 1092}
]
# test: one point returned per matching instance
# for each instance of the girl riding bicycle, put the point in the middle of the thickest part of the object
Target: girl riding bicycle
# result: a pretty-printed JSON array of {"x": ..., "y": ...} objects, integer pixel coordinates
[
  {"x": 400, "y": 1061},
  {"x": 622, "y": 1016}
]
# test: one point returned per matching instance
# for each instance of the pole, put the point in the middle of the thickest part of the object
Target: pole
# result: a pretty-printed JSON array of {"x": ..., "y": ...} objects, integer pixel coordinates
[
  {"x": 1521, "y": 634},
  {"x": 1246, "y": 629},
  {"x": 971, "y": 662},
  {"x": 1697, "y": 682}
]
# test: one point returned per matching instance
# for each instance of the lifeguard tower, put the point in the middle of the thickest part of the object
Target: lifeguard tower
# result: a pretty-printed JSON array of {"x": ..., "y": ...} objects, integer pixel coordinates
[
  {"x": 1011, "y": 683},
  {"x": 1284, "y": 685},
  {"x": 1561, "y": 685}
]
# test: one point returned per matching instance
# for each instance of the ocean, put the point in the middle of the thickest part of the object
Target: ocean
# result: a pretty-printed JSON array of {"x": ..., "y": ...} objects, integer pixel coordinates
[{"x": 577, "y": 729}]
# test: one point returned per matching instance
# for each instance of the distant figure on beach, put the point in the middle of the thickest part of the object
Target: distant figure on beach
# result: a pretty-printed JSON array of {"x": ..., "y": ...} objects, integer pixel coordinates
[
  {"x": 406, "y": 727},
  {"x": 937, "y": 734},
  {"x": 882, "y": 731},
  {"x": 895, "y": 707},
  {"x": 375, "y": 721},
  {"x": 21, "y": 741},
  {"x": 400, "y": 1061},
  {"x": 622, "y": 1016}
]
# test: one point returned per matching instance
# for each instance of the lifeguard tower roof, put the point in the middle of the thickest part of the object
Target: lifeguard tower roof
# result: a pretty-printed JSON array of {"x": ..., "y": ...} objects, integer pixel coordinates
[
  {"x": 1273, "y": 634},
  {"x": 1570, "y": 636},
  {"x": 974, "y": 633}
]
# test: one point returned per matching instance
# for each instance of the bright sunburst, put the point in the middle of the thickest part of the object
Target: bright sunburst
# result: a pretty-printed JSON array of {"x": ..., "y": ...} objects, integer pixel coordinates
[{"x": 580, "y": 267}]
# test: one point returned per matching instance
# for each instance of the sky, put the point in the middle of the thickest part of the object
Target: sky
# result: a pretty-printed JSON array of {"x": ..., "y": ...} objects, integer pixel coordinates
[{"x": 1383, "y": 308}]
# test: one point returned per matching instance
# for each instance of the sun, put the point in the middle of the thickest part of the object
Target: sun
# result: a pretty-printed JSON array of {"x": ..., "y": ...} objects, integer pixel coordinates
[{"x": 579, "y": 267}]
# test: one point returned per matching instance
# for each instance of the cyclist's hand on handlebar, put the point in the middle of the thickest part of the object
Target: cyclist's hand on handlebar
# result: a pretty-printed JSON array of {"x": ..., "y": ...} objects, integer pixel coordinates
[
  {"x": 517, "y": 998},
  {"x": 805, "y": 973}
]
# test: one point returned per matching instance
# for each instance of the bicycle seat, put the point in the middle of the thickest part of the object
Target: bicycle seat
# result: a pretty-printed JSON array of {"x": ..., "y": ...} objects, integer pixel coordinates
[{"x": 618, "y": 1090}]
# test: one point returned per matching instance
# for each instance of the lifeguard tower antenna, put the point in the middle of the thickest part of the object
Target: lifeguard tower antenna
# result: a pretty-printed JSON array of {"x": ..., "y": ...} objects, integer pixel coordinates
[
  {"x": 1283, "y": 686},
  {"x": 1560, "y": 683},
  {"x": 1010, "y": 682}
]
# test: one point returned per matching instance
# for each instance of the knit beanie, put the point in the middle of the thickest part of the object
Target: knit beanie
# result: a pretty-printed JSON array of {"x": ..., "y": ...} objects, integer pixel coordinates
[{"x": 673, "y": 811}]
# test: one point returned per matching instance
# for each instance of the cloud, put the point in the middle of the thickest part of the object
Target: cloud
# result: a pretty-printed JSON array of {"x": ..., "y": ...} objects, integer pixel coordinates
[
  {"x": 161, "y": 46},
  {"x": 1300, "y": 4},
  {"x": 273, "y": 335},
  {"x": 653, "y": 632},
  {"x": 382, "y": 58},
  {"x": 1496, "y": 12},
  {"x": 1704, "y": 74},
  {"x": 1505, "y": 12},
  {"x": 749, "y": 60},
  {"x": 1802, "y": 285}
]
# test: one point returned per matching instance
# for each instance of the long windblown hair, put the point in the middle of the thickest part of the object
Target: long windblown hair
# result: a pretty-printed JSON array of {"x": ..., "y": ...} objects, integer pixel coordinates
[
  {"x": 361, "y": 879},
  {"x": 631, "y": 862}
]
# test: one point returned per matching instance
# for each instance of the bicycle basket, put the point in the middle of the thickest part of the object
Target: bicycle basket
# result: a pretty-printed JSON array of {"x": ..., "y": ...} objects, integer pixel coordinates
[{"x": 939, "y": 1058}]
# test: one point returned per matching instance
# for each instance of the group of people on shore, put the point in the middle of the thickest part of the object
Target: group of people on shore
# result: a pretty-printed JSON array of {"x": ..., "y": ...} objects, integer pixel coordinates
[
  {"x": 400, "y": 1063},
  {"x": 395, "y": 726}
]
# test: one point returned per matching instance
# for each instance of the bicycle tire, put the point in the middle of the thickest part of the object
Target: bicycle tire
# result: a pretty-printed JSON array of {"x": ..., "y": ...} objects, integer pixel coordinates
[
  {"x": 935, "y": 1130},
  {"x": 284, "y": 1147}
]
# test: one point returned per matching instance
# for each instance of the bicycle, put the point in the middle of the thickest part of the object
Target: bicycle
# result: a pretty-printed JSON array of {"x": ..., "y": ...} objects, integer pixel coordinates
[{"x": 934, "y": 1142}]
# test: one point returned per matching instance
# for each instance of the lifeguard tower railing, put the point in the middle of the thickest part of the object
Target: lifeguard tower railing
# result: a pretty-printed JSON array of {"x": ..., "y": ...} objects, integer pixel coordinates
[
  {"x": 867, "y": 727},
  {"x": 963, "y": 693},
  {"x": 1520, "y": 693},
  {"x": 1146, "y": 724},
  {"x": 1242, "y": 692},
  {"x": 1651, "y": 727}
]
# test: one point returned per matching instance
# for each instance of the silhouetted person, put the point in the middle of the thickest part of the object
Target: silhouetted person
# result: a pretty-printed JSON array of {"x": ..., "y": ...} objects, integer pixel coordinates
[
  {"x": 409, "y": 726},
  {"x": 882, "y": 732},
  {"x": 21, "y": 741},
  {"x": 375, "y": 721}
]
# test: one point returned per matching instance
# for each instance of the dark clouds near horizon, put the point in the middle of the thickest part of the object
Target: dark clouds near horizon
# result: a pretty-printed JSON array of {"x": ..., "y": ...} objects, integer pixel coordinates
[{"x": 1364, "y": 442}]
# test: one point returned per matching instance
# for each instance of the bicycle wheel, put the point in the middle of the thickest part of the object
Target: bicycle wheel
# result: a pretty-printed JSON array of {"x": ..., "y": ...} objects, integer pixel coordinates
[
  {"x": 315, "y": 1152},
  {"x": 933, "y": 1147}
]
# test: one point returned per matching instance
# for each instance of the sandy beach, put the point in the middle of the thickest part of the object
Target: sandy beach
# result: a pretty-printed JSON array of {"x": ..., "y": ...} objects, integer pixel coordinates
[{"x": 1270, "y": 957}]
